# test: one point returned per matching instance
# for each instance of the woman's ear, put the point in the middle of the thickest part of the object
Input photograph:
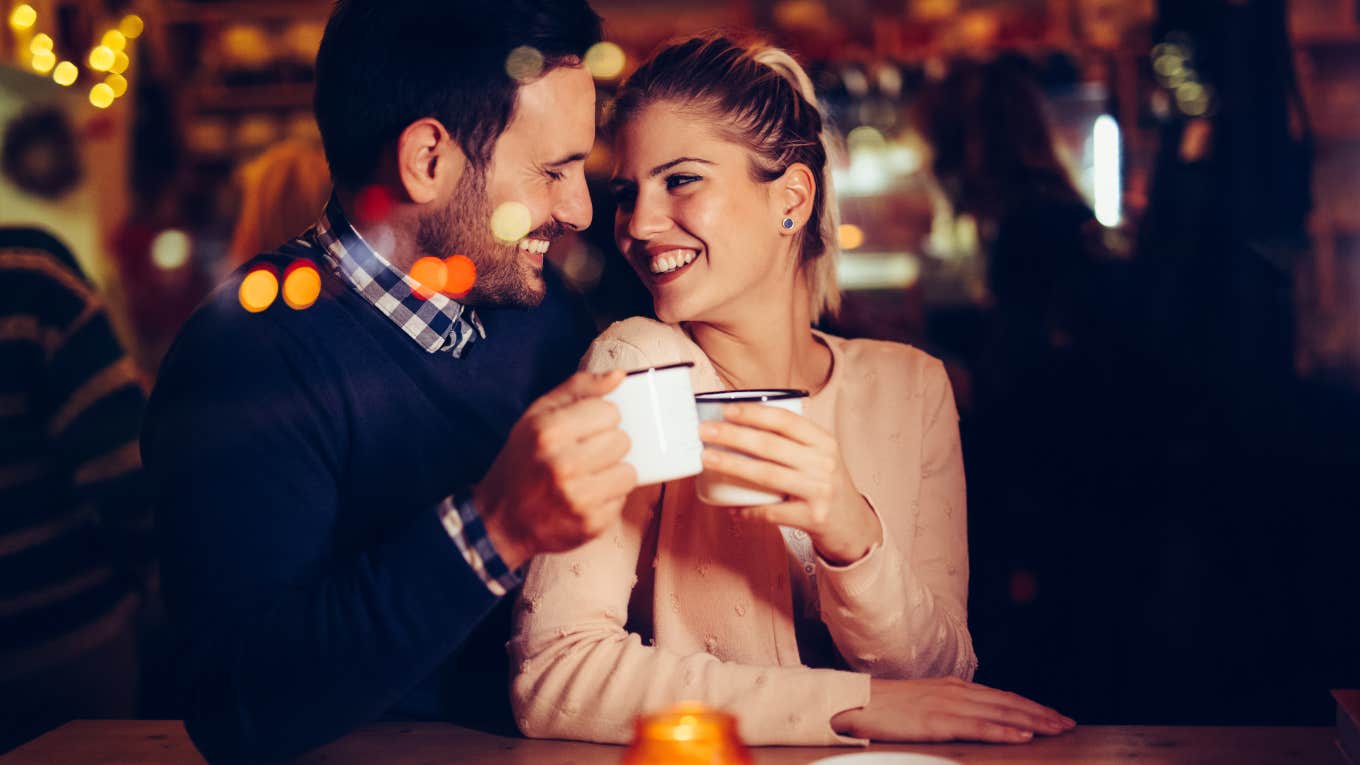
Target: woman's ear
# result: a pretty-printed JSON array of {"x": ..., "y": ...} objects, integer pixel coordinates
[
  {"x": 429, "y": 161},
  {"x": 794, "y": 192}
]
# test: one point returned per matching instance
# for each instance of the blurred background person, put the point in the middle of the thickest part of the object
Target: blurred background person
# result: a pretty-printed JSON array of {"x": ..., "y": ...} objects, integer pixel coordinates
[
  {"x": 75, "y": 535},
  {"x": 282, "y": 192}
]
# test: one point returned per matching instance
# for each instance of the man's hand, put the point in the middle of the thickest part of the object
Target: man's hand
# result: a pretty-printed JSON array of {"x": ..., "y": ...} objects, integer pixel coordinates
[
  {"x": 560, "y": 480},
  {"x": 947, "y": 709}
]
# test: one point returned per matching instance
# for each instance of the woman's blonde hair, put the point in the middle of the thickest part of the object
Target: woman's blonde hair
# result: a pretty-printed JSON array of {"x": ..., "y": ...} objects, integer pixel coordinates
[
  {"x": 759, "y": 96},
  {"x": 282, "y": 193}
]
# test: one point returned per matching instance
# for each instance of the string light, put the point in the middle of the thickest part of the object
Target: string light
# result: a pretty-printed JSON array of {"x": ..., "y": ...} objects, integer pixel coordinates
[
  {"x": 301, "y": 285},
  {"x": 40, "y": 42},
  {"x": 23, "y": 17},
  {"x": 851, "y": 236},
  {"x": 511, "y": 221},
  {"x": 120, "y": 62},
  {"x": 113, "y": 40},
  {"x": 258, "y": 290},
  {"x": 131, "y": 26},
  {"x": 43, "y": 61},
  {"x": 461, "y": 275},
  {"x": 101, "y": 58},
  {"x": 65, "y": 73},
  {"x": 101, "y": 95},
  {"x": 170, "y": 249},
  {"x": 118, "y": 83}
]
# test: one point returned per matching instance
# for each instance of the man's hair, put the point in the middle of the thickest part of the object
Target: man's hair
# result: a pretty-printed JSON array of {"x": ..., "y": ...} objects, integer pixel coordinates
[{"x": 385, "y": 64}]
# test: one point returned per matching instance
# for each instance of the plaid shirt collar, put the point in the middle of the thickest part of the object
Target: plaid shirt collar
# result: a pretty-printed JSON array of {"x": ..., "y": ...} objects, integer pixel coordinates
[{"x": 437, "y": 324}]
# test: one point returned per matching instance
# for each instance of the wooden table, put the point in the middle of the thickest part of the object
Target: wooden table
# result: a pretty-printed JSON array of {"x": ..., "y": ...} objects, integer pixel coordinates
[{"x": 106, "y": 742}]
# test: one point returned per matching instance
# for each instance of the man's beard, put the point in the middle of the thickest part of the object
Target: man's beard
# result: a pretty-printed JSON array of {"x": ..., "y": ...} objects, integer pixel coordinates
[{"x": 504, "y": 276}]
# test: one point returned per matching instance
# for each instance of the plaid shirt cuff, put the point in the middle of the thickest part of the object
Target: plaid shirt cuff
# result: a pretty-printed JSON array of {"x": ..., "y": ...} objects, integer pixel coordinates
[{"x": 464, "y": 524}]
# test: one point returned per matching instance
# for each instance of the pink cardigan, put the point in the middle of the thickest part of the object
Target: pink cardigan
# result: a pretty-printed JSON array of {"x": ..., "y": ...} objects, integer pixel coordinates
[{"x": 720, "y": 607}]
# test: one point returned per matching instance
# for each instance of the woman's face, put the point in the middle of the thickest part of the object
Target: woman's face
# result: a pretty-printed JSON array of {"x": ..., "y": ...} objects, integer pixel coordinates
[{"x": 702, "y": 234}]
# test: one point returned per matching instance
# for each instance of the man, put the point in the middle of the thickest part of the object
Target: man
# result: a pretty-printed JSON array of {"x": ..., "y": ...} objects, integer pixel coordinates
[
  {"x": 346, "y": 489},
  {"x": 75, "y": 531}
]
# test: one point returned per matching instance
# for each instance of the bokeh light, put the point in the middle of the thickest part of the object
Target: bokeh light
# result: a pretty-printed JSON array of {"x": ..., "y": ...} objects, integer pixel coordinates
[
  {"x": 118, "y": 83},
  {"x": 460, "y": 275},
  {"x": 301, "y": 285},
  {"x": 43, "y": 61},
  {"x": 372, "y": 204},
  {"x": 511, "y": 221},
  {"x": 170, "y": 248},
  {"x": 524, "y": 64},
  {"x": 259, "y": 289},
  {"x": 583, "y": 265},
  {"x": 605, "y": 60},
  {"x": 430, "y": 275},
  {"x": 23, "y": 16},
  {"x": 131, "y": 26},
  {"x": 101, "y": 58},
  {"x": 851, "y": 236},
  {"x": 65, "y": 73},
  {"x": 120, "y": 62},
  {"x": 101, "y": 95},
  {"x": 40, "y": 42},
  {"x": 113, "y": 40}
]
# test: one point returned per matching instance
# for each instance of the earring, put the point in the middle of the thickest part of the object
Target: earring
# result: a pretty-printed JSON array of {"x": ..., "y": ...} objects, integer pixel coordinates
[{"x": 787, "y": 223}]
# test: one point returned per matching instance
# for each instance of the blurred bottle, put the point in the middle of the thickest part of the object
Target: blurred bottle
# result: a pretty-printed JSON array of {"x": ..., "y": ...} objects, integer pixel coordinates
[{"x": 687, "y": 734}]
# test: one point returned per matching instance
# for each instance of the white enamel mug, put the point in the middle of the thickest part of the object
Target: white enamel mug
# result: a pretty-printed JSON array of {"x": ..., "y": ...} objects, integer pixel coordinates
[
  {"x": 657, "y": 407},
  {"x": 731, "y": 492}
]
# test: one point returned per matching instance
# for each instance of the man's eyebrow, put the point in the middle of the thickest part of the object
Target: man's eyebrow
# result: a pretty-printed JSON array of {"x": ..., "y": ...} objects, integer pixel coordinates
[
  {"x": 577, "y": 157},
  {"x": 664, "y": 166}
]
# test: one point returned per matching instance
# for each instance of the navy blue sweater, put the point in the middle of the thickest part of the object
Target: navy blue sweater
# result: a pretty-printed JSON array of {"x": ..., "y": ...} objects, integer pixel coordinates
[{"x": 298, "y": 457}]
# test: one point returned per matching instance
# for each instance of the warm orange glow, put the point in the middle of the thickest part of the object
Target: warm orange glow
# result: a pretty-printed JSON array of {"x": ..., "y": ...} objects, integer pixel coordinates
[
  {"x": 372, "y": 204},
  {"x": 301, "y": 285},
  {"x": 259, "y": 289},
  {"x": 685, "y": 734},
  {"x": 851, "y": 236},
  {"x": 461, "y": 275},
  {"x": 430, "y": 275}
]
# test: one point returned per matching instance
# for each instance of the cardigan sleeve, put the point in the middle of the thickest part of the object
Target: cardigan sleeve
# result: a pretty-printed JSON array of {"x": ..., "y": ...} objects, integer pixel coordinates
[
  {"x": 287, "y": 642},
  {"x": 580, "y": 674},
  {"x": 900, "y": 617}
]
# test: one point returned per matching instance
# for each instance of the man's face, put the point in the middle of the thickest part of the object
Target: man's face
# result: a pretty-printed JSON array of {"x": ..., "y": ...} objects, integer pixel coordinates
[{"x": 539, "y": 163}]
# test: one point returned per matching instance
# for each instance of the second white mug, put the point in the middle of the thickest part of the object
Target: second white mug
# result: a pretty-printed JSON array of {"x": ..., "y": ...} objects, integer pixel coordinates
[{"x": 730, "y": 492}]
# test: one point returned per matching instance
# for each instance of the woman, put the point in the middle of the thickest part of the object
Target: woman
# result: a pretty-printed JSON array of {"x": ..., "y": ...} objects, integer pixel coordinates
[{"x": 725, "y": 212}]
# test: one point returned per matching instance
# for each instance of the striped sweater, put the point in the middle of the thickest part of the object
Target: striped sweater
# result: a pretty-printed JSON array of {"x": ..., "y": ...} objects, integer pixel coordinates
[{"x": 74, "y": 525}]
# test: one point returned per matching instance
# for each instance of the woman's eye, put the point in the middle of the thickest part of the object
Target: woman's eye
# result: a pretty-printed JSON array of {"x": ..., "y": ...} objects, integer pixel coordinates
[
  {"x": 676, "y": 181},
  {"x": 556, "y": 176}
]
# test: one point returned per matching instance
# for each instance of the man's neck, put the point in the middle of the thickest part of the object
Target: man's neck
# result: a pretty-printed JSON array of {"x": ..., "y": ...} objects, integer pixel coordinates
[{"x": 393, "y": 237}]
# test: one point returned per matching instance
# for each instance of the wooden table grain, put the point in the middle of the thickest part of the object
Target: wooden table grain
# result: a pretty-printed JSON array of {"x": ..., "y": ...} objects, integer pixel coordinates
[{"x": 123, "y": 742}]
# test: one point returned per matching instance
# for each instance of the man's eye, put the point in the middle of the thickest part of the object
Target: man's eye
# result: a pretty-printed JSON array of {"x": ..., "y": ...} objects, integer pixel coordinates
[
  {"x": 676, "y": 181},
  {"x": 555, "y": 175}
]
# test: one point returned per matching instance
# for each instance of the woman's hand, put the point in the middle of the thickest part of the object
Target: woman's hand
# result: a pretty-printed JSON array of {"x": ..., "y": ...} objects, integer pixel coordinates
[
  {"x": 947, "y": 709},
  {"x": 798, "y": 459}
]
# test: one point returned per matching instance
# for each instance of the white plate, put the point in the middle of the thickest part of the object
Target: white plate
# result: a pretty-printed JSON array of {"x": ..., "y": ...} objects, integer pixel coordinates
[{"x": 884, "y": 758}]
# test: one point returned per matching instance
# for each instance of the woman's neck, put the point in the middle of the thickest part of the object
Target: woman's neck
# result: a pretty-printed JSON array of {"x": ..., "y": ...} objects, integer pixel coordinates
[{"x": 766, "y": 346}]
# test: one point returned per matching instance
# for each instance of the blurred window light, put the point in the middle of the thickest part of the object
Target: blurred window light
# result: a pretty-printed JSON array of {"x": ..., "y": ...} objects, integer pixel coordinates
[
  {"x": 170, "y": 248},
  {"x": 877, "y": 270},
  {"x": 605, "y": 60},
  {"x": 1105, "y": 170}
]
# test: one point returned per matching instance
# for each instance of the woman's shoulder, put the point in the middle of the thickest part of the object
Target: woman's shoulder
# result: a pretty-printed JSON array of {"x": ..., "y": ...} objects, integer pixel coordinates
[
  {"x": 638, "y": 342},
  {"x": 886, "y": 362}
]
